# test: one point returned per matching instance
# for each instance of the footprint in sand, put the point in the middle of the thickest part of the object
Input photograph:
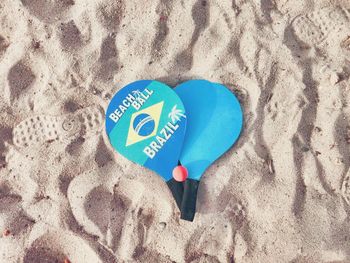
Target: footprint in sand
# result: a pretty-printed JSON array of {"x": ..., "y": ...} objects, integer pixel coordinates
[
  {"x": 211, "y": 243},
  {"x": 96, "y": 206},
  {"x": 48, "y": 10},
  {"x": 314, "y": 28},
  {"x": 70, "y": 36},
  {"x": 108, "y": 61},
  {"x": 201, "y": 16},
  {"x": 75, "y": 34},
  {"x": 12, "y": 217},
  {"x": 20, "y": 78},
  {"x": 39, "y": 129},
  {"x": 110, "y": 15},
  {"x": 143, "y": 225},
  {"x": 119, "y": 211},
  {"x": 58, "y": 246}
]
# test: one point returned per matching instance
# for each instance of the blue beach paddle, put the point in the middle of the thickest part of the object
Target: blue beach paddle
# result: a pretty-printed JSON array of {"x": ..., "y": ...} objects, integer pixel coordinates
[
  {"x": 146, "y": 122},
  {"x": 214, "y": 123}
]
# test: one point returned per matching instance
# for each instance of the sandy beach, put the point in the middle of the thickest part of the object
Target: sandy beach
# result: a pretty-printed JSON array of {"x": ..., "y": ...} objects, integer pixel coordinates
[{"x": 281, "y": 194}]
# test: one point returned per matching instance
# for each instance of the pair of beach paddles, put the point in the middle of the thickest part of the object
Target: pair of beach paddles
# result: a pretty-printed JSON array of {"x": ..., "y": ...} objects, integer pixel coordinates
[{"x": 178, "y": 133}]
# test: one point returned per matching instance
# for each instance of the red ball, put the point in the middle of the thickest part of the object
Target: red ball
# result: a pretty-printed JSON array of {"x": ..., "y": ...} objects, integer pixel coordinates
[{"x": 180, "y": 173}]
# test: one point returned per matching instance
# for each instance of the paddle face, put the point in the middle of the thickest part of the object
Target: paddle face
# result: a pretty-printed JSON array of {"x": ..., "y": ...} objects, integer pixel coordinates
[
  {"x": 215, "y": 121},
  {"x": 146, "y": 122}
]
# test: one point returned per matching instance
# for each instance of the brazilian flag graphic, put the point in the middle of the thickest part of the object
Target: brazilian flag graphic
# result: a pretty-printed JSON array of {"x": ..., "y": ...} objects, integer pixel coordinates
[{"x": 144, "y": 124}]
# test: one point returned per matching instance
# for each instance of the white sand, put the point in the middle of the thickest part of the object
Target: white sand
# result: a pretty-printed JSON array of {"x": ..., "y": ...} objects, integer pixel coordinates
[{"x": 282, "y": 194}]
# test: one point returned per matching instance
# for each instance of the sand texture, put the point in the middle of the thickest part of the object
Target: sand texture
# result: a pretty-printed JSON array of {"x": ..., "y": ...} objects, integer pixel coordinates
[{"x": 281, "y": 194}]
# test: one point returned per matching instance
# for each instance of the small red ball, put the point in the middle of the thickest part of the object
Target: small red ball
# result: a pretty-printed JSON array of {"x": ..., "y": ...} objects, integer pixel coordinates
[{"x": 180, "y": 173}]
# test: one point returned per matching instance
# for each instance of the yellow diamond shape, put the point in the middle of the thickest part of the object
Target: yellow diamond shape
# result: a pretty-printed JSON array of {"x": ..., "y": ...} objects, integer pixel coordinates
[{"x": 154, "y": 111}]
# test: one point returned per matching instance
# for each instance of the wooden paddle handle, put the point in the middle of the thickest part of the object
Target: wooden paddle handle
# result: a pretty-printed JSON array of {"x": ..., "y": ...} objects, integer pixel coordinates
[
  {"x": 189, "y": 199},
  {"x": 177, "y": 189}
]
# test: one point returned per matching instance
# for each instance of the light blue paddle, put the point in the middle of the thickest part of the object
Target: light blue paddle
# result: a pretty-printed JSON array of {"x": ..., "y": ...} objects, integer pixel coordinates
[{"x": 214, "y": 123}]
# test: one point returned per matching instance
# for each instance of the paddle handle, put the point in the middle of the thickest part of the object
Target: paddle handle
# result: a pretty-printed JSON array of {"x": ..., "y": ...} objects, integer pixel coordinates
[
  {"x": 177, "y": 189},
  {"x": 189, "y": 199}
]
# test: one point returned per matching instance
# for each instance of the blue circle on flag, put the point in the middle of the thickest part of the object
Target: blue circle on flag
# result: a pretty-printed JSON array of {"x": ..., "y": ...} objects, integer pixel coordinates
[{"x": 143, "y": 124}]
